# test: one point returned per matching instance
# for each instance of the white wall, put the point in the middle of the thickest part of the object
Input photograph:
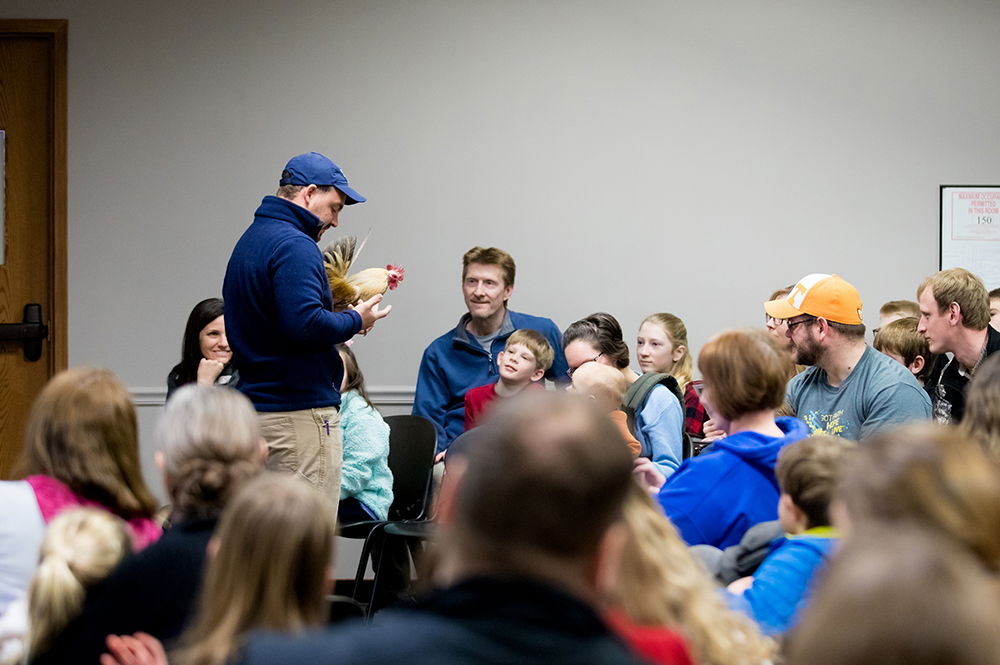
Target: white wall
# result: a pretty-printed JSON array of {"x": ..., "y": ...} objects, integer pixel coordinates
[{"x": 634, "y": 156}]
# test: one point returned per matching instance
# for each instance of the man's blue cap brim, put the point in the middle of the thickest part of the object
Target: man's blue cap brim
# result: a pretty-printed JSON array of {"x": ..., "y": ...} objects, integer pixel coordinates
[{"x": 352, "y": 195}]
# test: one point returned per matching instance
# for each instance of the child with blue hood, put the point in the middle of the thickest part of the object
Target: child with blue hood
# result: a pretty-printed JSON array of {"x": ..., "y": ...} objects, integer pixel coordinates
[{"x": 715, "y": 497}]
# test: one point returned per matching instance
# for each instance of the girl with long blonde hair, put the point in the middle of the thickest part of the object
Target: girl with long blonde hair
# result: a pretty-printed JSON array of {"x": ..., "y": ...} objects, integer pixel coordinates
[
  {"x": 269, "y": 571},
  {"x": 661, "y": 584},
  {"x": 662, "y": 346}
]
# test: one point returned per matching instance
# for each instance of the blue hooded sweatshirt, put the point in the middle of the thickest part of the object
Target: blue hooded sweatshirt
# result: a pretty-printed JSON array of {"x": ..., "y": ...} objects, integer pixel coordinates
[
  {"x": 279, "y": 317},
  {"x": 714, "y": 498}
]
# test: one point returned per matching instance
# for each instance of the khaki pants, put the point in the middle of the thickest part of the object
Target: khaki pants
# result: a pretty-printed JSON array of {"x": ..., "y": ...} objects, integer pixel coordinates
[{"x": 308, "y": 444}]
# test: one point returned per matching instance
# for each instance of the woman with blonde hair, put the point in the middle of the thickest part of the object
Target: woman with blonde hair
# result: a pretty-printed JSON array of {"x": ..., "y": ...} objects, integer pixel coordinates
[
  {"x": 661, "y": 586},
  {"x": 81, "y": 448},
  {"x": 928, "y": 476},
  {"x": 981, "y": 420},
  {"x": 209, "y": 447},
  {"x": 662, "y": 347},
  {"x": 275, "y": 548}
]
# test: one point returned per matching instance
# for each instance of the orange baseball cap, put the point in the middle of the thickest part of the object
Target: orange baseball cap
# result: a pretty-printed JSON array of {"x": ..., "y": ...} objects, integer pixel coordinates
[{"x": 828, "y": 296}]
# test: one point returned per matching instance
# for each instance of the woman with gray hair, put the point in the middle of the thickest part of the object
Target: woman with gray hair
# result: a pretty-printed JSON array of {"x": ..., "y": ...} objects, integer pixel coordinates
[{"x": 209, "y": 445}]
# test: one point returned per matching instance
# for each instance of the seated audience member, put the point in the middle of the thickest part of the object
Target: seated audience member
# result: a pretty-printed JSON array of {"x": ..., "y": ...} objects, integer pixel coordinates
[
  {"x": 899, "y": 596},
  {"x": 606, "y": 385},
  {"x": 995, "y": 308},
  {"x": 80, "y": 547},
  {"x": 981, "y": 422},
  {"x": 81, "y": 448},
  {"x": 928, "y": 476},
  {"x": 659, "y": 419},
  {"x": 521, "y": 554},
  {"x": 661, "y": 591},
  {"x": 900, "y": 341},
  {"x": 849, "y": 390},
  {"x": 209, "y": 445},
  {"x": 715, "y": 497},
  {"x": 778, "y": 327},
  {"x": 522, "y": 363},
  {"x": 955, "y": 318},
  {"x": 895, "y": 310},
  {"x": 807, "y": 472},
  {"x": 463, "y": 358},
  {"x": 365, "y": 478},
  {"x": 268, "y": 571},
  {"x": 205, "y": 352},
  {"x": 662, "y": 347}
]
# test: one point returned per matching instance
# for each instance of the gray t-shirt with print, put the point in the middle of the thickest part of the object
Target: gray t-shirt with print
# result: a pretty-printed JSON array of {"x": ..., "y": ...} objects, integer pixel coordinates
[{"x": 878, "y": 392}]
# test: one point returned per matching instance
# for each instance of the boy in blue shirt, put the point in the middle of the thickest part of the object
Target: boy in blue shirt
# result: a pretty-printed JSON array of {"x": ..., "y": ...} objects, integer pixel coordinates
[{"x": 807, "y": 472}]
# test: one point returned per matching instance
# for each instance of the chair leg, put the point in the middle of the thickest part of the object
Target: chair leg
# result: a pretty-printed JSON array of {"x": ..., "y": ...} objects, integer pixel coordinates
[{"x": 359, "y": 576}]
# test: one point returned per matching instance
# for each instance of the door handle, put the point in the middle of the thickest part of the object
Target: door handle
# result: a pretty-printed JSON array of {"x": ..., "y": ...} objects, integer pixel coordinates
[{"x": 32, "y": 331}]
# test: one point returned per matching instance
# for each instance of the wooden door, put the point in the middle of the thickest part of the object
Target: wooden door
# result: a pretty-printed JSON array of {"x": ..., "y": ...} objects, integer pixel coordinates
[{"x": 33, "y": 261}]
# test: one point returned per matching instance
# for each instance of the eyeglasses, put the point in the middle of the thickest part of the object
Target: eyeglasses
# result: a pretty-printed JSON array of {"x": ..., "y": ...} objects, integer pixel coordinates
[
  {"x": 791, "y": 324},
  {"x": 768, "y": 319},
  {"x": 569, "y": 372}
]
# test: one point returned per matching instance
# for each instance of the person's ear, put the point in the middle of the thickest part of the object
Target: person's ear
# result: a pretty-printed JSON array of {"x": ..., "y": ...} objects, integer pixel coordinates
[
  {"x": 537, "y": 374},
  {"x": 954, "y": 313},
  {"x": 447, "y": 503},
  {"x": 679, "y": 352},
  {"x": 917, "y": 365},
  {"x": 500, "y": 358},
  {"x": 159, "y": 460},
  {"x": 263, "y": 451},
  {"x": 507, "y": 291},
  {"x": 603, "y": 576}
]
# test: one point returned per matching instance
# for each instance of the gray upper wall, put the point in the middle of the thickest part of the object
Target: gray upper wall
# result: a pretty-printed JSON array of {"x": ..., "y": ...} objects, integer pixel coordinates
[{"x": 632, "y": 156}]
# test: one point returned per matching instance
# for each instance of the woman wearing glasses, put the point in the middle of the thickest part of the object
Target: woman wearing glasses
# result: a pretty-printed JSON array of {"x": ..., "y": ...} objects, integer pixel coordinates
[{"x": 659, "y": 420}]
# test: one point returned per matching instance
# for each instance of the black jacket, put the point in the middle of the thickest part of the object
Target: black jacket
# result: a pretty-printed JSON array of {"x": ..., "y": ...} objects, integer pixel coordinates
[{"x": 482, "y": 621}]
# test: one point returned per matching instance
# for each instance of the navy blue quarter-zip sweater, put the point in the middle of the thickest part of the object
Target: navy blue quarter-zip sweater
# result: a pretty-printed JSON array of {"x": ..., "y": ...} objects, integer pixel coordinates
[{"x": 279, "y": 317}]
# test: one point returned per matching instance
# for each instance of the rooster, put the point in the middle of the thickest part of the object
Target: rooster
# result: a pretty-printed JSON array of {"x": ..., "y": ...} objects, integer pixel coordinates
[{"x": 338, "y": 257}]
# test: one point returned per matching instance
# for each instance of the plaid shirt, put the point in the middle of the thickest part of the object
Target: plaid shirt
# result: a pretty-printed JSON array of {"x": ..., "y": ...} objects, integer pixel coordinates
[{"x": 694, "y": 412}]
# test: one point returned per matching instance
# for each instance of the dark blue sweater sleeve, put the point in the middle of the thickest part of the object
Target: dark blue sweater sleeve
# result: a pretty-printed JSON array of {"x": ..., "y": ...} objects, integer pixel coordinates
[{"x": 302, "y": 297}]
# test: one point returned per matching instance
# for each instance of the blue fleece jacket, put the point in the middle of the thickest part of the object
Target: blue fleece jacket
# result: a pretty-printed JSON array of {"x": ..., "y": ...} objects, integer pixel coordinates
[
  {"x": 279, "y": 317},
  {"x": 455, "y": 362},
  {"x": 714, "y": 498},
  {"x": 783, "y": 582}
]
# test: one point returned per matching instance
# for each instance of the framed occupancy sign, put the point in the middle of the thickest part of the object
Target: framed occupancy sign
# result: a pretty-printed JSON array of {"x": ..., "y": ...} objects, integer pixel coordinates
[{"x": 970, "y": 230}]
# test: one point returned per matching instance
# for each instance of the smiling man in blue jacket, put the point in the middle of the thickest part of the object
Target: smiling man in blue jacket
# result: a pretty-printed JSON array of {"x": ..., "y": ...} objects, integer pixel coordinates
[
  {"x": 465, "y": 357},
  {"x": 281, "y": 324}
]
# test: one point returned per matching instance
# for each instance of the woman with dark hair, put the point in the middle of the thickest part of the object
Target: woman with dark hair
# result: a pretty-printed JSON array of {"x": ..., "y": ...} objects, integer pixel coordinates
[
  {"x": 205, "y": 352},
  {"x": 659, "y": 420}
]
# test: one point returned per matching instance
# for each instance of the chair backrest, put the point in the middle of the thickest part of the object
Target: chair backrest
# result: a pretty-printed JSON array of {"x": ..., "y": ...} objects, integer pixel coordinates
[{"x": 412, "y": 447}]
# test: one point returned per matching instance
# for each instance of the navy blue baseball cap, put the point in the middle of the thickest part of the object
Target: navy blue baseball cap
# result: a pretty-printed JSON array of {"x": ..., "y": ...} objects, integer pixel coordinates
[{"x": 313, "y": 168}]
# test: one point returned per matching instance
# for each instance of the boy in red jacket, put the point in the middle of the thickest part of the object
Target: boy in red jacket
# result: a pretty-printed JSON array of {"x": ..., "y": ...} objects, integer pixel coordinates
[{"x": 522, "y": 363}]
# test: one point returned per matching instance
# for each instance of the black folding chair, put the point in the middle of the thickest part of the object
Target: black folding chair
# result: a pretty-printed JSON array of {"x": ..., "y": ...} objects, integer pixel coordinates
[{"x": 412, "y": 447}]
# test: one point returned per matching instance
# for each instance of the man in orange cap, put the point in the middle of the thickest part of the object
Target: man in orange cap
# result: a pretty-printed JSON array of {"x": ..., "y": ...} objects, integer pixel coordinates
[{"x": 850, "y": 389}]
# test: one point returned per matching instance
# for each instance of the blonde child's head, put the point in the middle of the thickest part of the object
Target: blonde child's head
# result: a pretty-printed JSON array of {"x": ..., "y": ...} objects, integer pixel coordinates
[
  {"x": 525, "y": 358},
  {"x": 662, "y": 346},
  {"x": 604, "y": 384},
  {"x": 80, "y": 548}
]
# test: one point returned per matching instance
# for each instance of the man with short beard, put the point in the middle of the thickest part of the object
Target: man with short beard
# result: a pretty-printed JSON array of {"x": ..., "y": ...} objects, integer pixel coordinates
[{"x": 849, "y": 389}]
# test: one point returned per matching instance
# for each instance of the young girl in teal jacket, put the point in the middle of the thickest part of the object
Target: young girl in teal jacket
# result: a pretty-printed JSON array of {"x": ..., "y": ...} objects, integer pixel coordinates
[{"x": 365, "y": 480}]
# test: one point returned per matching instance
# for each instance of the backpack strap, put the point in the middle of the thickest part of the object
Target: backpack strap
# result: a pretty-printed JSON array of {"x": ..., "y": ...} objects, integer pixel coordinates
[{"x": 635, "y": 398}]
